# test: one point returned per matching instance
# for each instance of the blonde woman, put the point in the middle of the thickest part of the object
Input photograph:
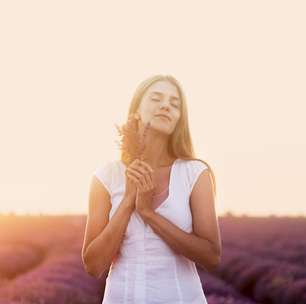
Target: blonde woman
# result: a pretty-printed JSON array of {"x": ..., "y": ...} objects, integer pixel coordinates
[{"x": 151, "y": 219}]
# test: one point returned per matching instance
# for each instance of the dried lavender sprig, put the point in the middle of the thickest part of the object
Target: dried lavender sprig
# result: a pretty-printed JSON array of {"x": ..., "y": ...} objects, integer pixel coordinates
[
  {"x": 132, "y": 142},
  {"x": 142, "y": 146}
]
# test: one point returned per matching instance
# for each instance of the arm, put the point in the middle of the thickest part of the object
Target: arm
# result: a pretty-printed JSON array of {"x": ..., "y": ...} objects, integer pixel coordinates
[
  {"x": 103, "y": 237},
  {"x": 203, "y": 245}
]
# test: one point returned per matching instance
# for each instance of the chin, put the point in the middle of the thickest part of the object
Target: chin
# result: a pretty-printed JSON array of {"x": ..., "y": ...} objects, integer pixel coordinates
[{"x": 160, "y": 129}]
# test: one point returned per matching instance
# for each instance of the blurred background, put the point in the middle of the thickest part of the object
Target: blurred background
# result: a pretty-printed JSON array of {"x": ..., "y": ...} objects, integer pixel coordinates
[{"x": 68, "y": 71}]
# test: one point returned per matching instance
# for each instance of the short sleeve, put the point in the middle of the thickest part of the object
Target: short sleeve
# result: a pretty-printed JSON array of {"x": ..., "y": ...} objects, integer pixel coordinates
[
  {"x": 104, "y": 175},
  {"x": 196, "y": 167}
]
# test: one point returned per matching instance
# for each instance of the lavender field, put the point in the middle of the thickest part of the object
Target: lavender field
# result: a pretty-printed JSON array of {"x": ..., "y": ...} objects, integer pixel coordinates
[{"x": 263, "y": 261}]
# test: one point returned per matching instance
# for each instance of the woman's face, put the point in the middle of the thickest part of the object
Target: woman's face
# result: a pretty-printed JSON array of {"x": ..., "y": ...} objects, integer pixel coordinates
[{"x": 161, "y": 98}]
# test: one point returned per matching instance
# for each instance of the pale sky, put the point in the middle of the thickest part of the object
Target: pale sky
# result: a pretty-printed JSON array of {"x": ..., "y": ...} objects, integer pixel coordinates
[{"x": 68, "y": 70}]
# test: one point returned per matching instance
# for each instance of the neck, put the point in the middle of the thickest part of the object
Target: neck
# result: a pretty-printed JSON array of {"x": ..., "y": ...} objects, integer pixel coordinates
[{"x": 156, "y": 153}]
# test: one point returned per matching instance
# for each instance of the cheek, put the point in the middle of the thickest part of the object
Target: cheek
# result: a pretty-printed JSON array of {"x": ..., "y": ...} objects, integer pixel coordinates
[
  {"x": 177, "y": 116},
  {"x": 149, "y": 107},
  {"x": 148, "y": 113}
]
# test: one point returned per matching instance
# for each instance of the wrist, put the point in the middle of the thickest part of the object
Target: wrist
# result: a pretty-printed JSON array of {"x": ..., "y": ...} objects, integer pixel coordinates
[
  {"x": 146, "y": 214},
  {"x": 129, "y": 200}
]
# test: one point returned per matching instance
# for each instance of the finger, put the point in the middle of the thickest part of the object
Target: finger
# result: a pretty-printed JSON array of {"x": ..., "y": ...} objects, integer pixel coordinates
[
  {"x": 148, "y": 173},
  {"x": 136, "y": 161},
  {"x": 147, "y": 166},
  {"x": 136, "y": 175},
  {"x": 134, "y": 172},
  {"x": 138, "y": 167},
  {"x": 146, "y": 179},
  {"x": 145, "y": 170},
  {"x": 134, "y": 179},
  {"x": 139, "y": 164},
  {"x": 142, "y": 171}
]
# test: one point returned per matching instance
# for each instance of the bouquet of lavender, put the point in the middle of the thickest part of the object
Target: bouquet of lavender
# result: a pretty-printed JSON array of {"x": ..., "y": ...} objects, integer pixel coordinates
[{"x": 132, "y": 140}]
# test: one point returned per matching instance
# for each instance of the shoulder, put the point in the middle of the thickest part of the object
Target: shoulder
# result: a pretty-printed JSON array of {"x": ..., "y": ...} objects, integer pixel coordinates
[
  {"x": 193, "y": 165},
  {"x": 192, "y": 170},
  {"x": 105, "y": 172}
]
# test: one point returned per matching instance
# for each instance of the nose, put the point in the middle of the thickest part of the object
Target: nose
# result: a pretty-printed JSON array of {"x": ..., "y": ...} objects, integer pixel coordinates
[{"x": 165, "y": 105}]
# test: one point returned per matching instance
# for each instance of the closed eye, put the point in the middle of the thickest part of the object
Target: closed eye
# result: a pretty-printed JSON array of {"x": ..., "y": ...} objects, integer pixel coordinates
[{"x": 156, "y": 99}]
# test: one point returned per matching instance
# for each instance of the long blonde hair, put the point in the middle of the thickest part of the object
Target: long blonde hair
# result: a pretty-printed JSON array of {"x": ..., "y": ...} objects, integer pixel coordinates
[{"x": 180, "y": 142}]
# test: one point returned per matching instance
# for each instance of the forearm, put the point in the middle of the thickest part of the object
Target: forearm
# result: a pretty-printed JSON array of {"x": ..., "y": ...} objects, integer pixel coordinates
[
  {"x": 197, "y": 249},
  {"x": 102, "y": 250}
]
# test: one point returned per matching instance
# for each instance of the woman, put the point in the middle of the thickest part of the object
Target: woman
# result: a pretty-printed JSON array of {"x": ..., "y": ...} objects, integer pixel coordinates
[{"x": 151, "y": 219}]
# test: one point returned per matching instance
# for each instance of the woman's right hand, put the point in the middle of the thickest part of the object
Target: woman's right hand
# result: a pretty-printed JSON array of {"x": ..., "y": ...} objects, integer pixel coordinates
[{"x": 133, "y": 172}]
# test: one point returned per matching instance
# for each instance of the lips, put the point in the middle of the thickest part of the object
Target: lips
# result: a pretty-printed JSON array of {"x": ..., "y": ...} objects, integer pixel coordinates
[{"x": 163, "y": 115}]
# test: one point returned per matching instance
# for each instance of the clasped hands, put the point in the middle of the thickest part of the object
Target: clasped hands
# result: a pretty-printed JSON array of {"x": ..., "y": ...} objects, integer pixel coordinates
[{"x": 141, "y": 182}]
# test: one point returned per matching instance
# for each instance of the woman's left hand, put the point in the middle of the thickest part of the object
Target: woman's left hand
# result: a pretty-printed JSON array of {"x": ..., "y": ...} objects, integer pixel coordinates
[{"x": 144, "y": 180}]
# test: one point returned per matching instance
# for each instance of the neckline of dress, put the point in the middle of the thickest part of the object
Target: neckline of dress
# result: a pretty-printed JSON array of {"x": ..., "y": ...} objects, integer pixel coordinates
[{"x": 170, "y": 182}]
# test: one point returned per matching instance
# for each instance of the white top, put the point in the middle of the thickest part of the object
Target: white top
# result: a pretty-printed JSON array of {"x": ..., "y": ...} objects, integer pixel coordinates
[{"x": 147, "y": 270}]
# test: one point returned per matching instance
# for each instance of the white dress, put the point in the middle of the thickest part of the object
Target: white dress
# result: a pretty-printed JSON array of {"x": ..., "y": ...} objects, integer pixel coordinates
[{"x": 147, "y": 270}]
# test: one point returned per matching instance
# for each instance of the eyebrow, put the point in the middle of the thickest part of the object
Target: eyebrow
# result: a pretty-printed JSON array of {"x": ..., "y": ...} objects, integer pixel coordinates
[{"x": 159, "y": 93}]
